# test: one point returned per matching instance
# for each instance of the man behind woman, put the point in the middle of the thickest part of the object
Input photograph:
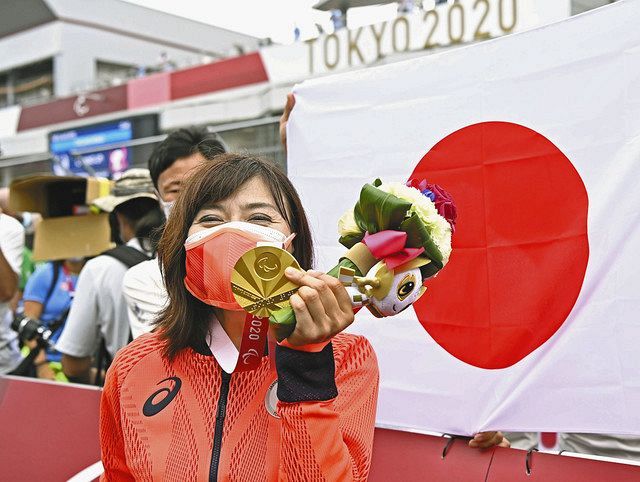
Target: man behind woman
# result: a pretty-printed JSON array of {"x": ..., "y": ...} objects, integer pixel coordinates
[{"x": 97, "y": 321}]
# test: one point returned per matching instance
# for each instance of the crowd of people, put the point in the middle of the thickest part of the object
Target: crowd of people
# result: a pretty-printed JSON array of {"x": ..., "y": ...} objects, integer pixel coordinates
[
  {"x": 90, "y": 311},
  {"x": 100, "y": 312},
  {"x": 178, "y": 324}
]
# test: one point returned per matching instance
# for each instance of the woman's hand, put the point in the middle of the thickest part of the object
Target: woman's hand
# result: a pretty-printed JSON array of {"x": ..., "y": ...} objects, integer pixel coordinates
[
  {"x": 291, "y": 101},
  {"x": 486, "y": 440},
  {"x": 322, "y": 307}
]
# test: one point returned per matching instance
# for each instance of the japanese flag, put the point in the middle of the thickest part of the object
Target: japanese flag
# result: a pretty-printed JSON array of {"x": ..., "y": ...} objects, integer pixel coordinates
[{"x": 535, "y": 322}]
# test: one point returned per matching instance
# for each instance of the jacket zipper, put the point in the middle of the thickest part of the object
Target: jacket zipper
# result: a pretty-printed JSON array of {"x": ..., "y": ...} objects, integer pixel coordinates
[{"x": 217, "y": 436}]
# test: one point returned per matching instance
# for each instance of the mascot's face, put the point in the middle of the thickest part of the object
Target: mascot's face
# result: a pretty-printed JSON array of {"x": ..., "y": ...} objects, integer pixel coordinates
[{"x": 404, "y": 290}]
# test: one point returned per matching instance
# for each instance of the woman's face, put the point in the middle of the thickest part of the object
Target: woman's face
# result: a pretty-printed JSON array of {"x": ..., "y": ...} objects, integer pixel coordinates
[
  {"x": 251, "y": 203},
  {"x": 74, "y": 265}
]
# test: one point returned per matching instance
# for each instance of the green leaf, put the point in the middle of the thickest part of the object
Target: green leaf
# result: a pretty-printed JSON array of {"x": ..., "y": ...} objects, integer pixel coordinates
[
  {"x": 428, "y": 270},
  {"x": 377, "y": 210},
  {"x": 350, "y": 240},
  {"x": 359, "y": 218},
  {"x": 284, "y": 322},
  {"x": 418, "y": 236}
]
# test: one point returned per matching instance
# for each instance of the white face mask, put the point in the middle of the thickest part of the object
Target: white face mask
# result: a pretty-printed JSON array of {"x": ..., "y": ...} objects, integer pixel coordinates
[
  {"x": 166, "y": 206},
  {"x": 269, "y": 236}
]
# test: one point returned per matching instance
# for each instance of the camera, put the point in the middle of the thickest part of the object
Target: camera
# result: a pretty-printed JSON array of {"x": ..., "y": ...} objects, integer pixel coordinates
[{"x": 31, "y": 329}]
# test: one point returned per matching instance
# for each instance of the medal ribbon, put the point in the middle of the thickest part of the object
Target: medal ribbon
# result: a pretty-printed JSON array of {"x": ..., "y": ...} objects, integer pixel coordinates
[{"x": 254, "y": 337}]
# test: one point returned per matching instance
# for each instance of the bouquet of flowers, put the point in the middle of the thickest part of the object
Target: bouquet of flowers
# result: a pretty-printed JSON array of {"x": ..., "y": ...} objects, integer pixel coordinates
[{"x": 397, "y": 235}]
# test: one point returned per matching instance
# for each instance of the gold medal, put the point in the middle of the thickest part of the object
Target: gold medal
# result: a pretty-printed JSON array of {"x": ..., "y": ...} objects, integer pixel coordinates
[{"x": 258, "y": 281}]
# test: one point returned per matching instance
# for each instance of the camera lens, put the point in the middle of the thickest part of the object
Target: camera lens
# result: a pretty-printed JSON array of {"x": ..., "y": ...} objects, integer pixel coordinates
[{"x": 29, "y": 329}]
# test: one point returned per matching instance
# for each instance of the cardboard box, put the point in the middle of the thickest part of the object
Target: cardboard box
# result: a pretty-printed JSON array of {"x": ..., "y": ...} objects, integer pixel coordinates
[{"x": 61, "y": 234}]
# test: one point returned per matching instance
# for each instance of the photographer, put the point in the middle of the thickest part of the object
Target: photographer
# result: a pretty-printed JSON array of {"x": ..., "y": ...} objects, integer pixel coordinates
[
  {"x": 98, "y": 322},
  {"x": 47, "y": 297}
]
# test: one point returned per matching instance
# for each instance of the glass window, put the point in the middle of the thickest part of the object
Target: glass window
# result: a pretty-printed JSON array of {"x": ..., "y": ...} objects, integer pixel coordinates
[
  {"x": 111, "y": 73},
  {"x": 8, "y": 173},
  {"x": 4, "y": 90},
  {"x": 33, "y": 83},
  {"x": 262, "y": 140}
]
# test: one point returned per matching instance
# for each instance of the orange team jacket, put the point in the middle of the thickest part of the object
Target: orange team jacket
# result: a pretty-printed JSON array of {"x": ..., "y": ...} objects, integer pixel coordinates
[{"x": 186, "y": 419}]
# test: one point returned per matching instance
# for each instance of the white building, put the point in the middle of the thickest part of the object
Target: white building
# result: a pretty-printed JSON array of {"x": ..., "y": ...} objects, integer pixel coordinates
[
  {"x": 63, "y": 47},
  {"x": 87, "y": 42}
]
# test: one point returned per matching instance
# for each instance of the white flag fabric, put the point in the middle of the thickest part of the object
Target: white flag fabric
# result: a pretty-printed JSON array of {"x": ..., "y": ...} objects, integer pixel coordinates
[{"x": 535, "y": 322}]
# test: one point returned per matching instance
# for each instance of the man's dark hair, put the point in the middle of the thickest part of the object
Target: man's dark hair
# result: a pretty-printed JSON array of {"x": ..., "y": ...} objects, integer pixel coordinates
[
  {"x": 136, "y": 208},
  {"x": 183, "y": 143},
  {"x": 149, "y": 229},
  {"x": 145, "y": 217}
]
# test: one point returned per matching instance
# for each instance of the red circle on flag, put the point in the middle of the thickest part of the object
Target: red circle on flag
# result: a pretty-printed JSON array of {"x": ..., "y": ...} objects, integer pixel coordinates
[{"x": 520, "y": 249}]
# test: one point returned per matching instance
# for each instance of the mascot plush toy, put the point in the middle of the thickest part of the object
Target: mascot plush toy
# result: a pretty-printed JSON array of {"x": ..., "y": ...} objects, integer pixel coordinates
[{"x": 397, "y": 235}]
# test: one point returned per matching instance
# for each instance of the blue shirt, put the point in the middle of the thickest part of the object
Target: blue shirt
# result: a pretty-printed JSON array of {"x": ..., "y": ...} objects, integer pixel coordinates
[{"x": 36, "y": 290}]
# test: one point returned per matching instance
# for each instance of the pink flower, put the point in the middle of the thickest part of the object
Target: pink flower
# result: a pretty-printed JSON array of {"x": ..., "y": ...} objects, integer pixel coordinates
[
  {"x": 444, "y": 204},
  {"x": 443, "y": 201}
]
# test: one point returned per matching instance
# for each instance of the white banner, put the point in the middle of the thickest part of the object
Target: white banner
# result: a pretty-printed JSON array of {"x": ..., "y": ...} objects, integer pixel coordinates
[
  {"x": 534, "y": 323},
  {"x": 444, "y": 26}
]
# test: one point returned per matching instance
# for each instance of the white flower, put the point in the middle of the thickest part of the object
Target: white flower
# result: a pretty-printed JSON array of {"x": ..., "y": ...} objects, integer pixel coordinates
[
  {"x": 421, "y": 205},
  {"x": 347, "y": 224}
]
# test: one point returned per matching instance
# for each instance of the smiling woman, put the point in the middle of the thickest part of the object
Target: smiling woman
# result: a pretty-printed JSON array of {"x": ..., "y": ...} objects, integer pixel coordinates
[{"x": 196, "y": 399}]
